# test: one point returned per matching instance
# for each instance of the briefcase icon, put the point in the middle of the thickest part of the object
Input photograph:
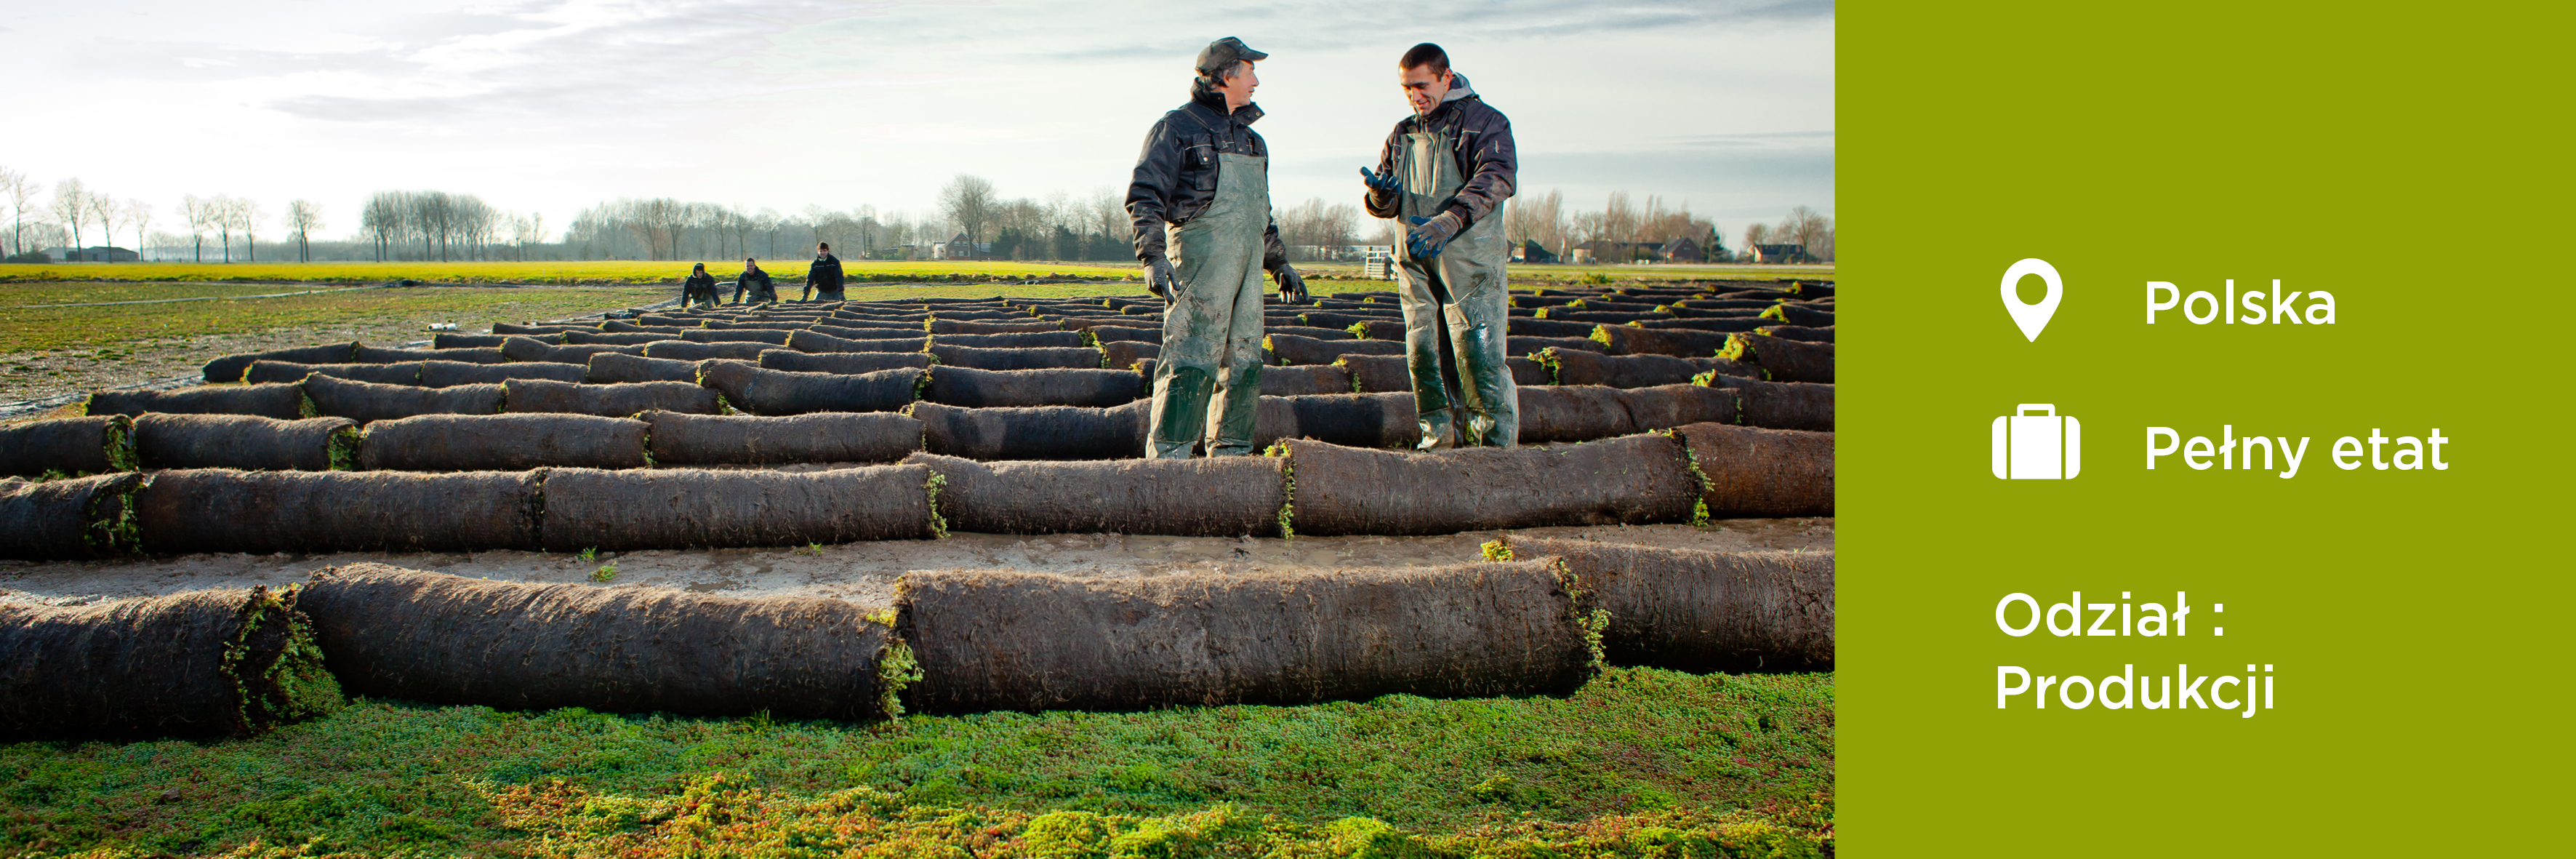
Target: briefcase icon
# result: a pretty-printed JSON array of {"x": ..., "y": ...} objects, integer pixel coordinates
[{"x": 2039, "y": 446}]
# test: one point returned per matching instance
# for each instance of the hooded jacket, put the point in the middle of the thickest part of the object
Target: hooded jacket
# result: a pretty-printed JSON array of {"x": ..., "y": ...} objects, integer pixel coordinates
[
  {"x": 1176, "y": 172},
  {"x": 825, "y": 274},
  {"x": 1481, "y": 138}
]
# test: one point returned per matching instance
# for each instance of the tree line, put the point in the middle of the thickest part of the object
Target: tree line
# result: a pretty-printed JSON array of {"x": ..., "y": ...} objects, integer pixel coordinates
[{"x": 442, "y": 225}]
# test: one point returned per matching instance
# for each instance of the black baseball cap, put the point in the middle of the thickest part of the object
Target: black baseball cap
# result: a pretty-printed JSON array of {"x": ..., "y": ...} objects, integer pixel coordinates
[{"x": 1221, "y": 55}]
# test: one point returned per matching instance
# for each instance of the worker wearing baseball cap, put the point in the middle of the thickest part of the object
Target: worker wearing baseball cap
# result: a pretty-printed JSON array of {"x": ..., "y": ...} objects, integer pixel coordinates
[{"x": 1201, "y": 204}]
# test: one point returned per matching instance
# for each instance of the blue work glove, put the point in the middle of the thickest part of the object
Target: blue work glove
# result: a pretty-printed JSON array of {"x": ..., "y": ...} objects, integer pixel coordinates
[
  {"x": 1387, "y": 182},
  {"x": 1429, "y": 235}
]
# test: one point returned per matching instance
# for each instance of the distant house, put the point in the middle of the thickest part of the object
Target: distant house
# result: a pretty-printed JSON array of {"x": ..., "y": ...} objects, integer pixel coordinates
[
  {"x": 93, "y": 254},
  {"x": 1791, "y": 253},
  {"x": 1680, "y": 250},
  {"x": 1615, "y": 252},
  {"x": 1532, "y": 252},
  {"x": 958, "y": 247}
]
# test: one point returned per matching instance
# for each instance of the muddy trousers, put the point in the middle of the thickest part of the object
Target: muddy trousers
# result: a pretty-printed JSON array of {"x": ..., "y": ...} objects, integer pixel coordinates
[
  {"x": 1208, "y": 379},
  {"x": 1480, "y": 403}
]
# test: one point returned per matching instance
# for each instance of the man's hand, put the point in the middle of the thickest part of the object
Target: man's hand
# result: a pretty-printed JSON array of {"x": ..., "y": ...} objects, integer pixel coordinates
[
  {"x": 1387, "y": 182},
  {"x": 1160, "y": 280},
  {"x": 1429, "y": 235},
  {"x": 1292, "y": 286}
]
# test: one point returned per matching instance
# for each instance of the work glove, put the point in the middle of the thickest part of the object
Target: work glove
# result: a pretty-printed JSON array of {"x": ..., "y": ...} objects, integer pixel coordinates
[
  {"x": 1376, "y": 182},
  {"x": 1160, "y": 280},
  {"x": 1429, "y": 235},
  {"x": 1292, "y": 286}
]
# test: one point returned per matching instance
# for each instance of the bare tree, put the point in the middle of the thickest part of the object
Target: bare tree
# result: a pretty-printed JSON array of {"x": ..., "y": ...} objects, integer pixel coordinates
[
  {"x": 1756, "y": 233},
  {"x": 104, "y": 210},
  {"x": 139, "y": 214},
  {"x": 1619, "y": 219},
  {"x": 304, "y": 216},
  {"x": 767, "y": 222},
  {"x": 1537, "y": 218},
  {"x": 20, "y": 191},
  {"x": 71, "y": 206},
  {"x": 968, "y": 200},
  {"x": 200, "y": 213},
  {"x": 1806, "y": 227}
]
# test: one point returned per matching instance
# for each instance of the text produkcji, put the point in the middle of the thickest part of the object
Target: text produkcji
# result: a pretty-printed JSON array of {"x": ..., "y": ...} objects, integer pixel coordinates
[{"x": 2019, "y": 615}]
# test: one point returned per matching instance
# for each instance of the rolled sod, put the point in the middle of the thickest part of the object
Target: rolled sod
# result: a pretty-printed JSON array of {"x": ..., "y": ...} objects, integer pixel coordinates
[
  {"x": 746, "y": 324},
  {"x": 281, "y": 401},
  {"x": 860, "y": 329},
  {"x": 472, "y": 355},
  {"x": 1292, "y": 349},
  {"x": 229, "y": 368},
  {"x": 1755, "y": 304},
  {"x": 686, "y": 439},
  {"x": 1043, "y": 339},
  {"x": 211, "y": 663},
  {"x": 513, "y": 328},
  {"x": 682, "y": 350},
  {"x": 1751, "y": 472},
  {"x": 1302, "y": 380},
  {"x": 1352, "y": 420},
  {"x": 1677, "y": 342},
  {"x": 1703, "y": 313},
  {"x": 690, "y": 508},
  {"x": 532, "y": 396},
  {"x": 1382, "y": 374},
  {"x": 619, "y": 326},
  {"x": 792, "y": 361},
  {"x": 616, "y": 338},
  {"x": 1722, "y": 325},
  {"x": 1045, "y": 432},
  {"x": 223, "y": 510},
  {"x": 449, "y": 374},
  {"x": 775, "y": 392},
  {"x": 1123, "y": 354},
  {"x": 1001, "y": 640},
  {"x": 513, "y": 442},
  {"x": 1375, "y": 329},
  {"x": 942, "y": 325},
  {"x": 1230, "y": 496},
  {"x": 973, "y": 388},
  {"x": 1702, "y": 612},
  {"x": 273, "y": 372},
  {"x": 1522, "y": 326},
  {"x": 1635, "y": 480},
  {"x": 367, "y": 402},
  {"x": 84, "y": 445},
  {"x": 819, "y": 342},
  {"x": 1129, "y": 323},
  {"x": 1529, "y": 346},
  {"x": 609, "y": 368},
  {"x": 443, "y": 639},
  {"x": 1801, "y": 314},
  {"x": 81, "y": 517},
  {"x": 1586, "y": 412},
  {"x": 1025, "y": 358},
  {"x": 1798, "y": 332},
  {"x": 1783, "y": 360},
  {"x": 1303, "y": 331},
  {"x": 773, "y": 336},
  {"x": 523, "y": 349},
  {"x": 1779, "y": 405},
  {"x": 247, "y": 442},
  {"x": 1581, "y": 367},
  {"x": 469, "y": 341},
  {"x": 1343, "y": 319}
]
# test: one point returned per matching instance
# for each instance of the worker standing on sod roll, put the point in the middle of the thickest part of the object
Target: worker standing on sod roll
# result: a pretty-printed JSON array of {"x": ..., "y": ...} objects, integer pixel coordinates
[
  {"x": 1201, "y": 203},
  {"x": 1444, "y": 175},
  {"x": 699, "y": 288},
  {"x": 762, "y": 289},
  {"x": 823, "y": 278}
]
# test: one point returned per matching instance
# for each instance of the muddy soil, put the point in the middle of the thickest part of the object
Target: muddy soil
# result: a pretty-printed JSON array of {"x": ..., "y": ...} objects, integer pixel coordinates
[{"x": 866, "y": 572}]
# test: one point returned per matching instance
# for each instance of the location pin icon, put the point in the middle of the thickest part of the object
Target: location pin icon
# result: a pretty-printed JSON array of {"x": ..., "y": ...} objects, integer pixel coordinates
[{"x": 2032, "y": 317}]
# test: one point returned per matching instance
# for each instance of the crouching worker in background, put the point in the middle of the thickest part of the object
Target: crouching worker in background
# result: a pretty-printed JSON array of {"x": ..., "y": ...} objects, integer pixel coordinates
[
  {"x": 754, "y": 281},
  {"x": 699, "y": 289}
]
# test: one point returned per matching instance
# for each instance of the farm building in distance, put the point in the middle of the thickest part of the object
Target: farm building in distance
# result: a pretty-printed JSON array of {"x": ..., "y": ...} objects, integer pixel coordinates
[
  {"x": 1790, "y": 253},
  {"x": 93, "y": 254},
  {"x": 1678, "y": 250},
  {"x": 959, "y": 248},
  {"x": 1532, "y": 252}
]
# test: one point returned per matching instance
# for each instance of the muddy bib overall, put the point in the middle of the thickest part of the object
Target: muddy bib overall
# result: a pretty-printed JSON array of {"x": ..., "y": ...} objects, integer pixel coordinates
[
  {"x": 1212, "y": 331},
  {"x": 1459, "y": 297}
]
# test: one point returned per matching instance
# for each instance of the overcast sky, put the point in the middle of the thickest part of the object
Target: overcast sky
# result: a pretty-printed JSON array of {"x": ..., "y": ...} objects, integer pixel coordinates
[{"x": 552, "y": 105}]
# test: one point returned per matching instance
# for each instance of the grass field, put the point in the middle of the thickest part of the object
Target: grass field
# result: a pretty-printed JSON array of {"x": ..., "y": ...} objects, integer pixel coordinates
[
  {"x": 139, "y": 325},
  {"x": 1639, "y": 763}
]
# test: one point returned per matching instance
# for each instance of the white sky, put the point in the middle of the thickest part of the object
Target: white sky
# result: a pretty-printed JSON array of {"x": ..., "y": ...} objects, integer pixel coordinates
[{"x": 553, "y": 105}]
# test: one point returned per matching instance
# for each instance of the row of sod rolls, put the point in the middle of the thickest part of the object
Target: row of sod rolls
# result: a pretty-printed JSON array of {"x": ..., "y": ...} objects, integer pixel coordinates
[
  {"x": 1684, "y": 475},
  {"x": 1539, "y": 617}
]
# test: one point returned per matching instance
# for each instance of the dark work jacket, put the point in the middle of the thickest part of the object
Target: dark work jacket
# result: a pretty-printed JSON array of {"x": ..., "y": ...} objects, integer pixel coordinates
[
  {"x": 1176, "y": 172},
  {"x": 1482, "y": 141},
  {"x": 757, "y": 283},
  {"x": 697, "y": 284},
  {"x": 825, "y": 275}
]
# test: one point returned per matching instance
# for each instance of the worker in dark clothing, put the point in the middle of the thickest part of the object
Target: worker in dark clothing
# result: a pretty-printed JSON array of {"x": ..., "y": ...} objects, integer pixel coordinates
[
  {"x": 1201, "y": 205},
  {"x": 823, "y": 278},
  {"x": 754, "y": 281},
  {"x": 1444, "y": 175},
  {"x": 699, "y": 288}
]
